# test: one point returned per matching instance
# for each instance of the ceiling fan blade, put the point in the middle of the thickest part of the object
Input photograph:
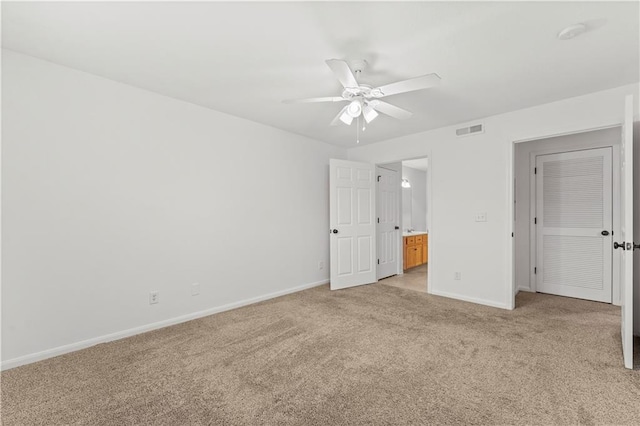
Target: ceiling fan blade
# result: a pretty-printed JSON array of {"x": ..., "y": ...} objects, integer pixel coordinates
[
  {"x": 417, "y": 83},
  {"x": 343, "y": 72},
  {"x": 310, "y": 100},
  {"x": 390, "y": 110},
  {"x": 337, "y": 120}
]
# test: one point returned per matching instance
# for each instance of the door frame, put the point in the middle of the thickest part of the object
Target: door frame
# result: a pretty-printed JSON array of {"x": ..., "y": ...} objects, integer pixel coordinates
[
  {"x": 511, "y": 207},
  {"x": 430, "y": 210},
  {"x": 615, "y": 213}
]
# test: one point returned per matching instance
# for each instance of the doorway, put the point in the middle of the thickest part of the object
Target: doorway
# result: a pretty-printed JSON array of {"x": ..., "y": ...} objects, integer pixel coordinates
[
  {"x": 566, "y": 195},
  {"x": 402, "y": 233},
  {"x": 353, "y": 220}
]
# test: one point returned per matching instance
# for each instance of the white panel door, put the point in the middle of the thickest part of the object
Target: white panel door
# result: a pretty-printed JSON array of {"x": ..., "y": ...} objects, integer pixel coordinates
[
  {"x": 574, "y": 224},
  {"x": 625, "y": 241},
  {"x": 388, "y": 222},
  {"x": 352, "y": 222}
]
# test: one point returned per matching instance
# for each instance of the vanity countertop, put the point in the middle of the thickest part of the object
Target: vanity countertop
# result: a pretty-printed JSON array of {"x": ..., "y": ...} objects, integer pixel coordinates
[{"x": 412, "y": 233}]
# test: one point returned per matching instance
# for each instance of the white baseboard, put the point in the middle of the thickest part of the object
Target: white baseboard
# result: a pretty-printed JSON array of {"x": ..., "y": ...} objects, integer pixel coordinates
[
  {"x": 470, "y": 299},
  {"x": 527, "y": 289},
  {"x": 61, "y": 350}
]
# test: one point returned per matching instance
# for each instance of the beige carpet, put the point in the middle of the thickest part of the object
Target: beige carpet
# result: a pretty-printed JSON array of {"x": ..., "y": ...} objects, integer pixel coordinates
[{"x": 368, "y": 355}]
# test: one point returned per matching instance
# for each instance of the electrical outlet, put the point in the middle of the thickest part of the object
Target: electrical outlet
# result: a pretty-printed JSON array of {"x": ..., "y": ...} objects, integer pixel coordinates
[
  {"x": 321, "y": 265},
  {"x": 195, "y": 289},
  {"x": 481, "y": 217},
  {"x": 154, "y": 297},
  {"x": 457, "y": 276}
]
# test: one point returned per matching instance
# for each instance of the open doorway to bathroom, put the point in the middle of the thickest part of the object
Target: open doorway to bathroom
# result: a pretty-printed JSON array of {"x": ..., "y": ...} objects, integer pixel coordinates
[{"x": 403, "y": 235}]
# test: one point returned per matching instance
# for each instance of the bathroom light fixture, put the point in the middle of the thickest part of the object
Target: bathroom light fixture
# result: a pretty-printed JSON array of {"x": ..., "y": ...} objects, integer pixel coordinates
[{"x": 406, "y": 183}]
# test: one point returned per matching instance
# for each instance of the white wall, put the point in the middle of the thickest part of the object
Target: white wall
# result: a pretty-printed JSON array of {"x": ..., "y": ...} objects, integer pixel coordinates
[
  {"x": 523, "y": 174},
  {"x": 418, "y": 191},
  {"x": 473, "y": 174},
  {"x": 110, "y": 192}
]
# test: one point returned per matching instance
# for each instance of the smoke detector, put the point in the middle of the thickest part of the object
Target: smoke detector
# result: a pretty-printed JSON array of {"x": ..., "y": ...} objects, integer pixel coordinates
[{"x": 572, "y": 31}]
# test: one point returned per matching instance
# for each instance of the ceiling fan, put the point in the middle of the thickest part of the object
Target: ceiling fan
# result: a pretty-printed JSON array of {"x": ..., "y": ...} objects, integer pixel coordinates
[{"x": 365, "y": 100}]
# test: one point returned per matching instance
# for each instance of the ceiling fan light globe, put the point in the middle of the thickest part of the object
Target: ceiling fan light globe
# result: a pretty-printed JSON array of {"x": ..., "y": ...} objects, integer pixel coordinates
[
  {"x": 354, "y": 109},
  {"x": 346, "y": 118},
  {"x": 369, "y": 114}
]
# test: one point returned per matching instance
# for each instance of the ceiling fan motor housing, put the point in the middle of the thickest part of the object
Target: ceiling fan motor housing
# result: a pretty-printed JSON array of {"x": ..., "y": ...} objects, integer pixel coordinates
[
  {"x": 358, "y": 65},
  {"x": 364, "y": 91}
]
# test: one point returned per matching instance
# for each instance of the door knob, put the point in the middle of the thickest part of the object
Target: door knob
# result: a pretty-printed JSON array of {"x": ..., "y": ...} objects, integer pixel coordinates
[
  {"x": 335, "y": 231},
  {"x": 605, "y": 233},
  {"x": 618, "y": 245}
]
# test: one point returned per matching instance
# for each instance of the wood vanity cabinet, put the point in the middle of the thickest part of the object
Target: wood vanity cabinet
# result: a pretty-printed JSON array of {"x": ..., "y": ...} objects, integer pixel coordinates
[{"x": 415, "y": 250}]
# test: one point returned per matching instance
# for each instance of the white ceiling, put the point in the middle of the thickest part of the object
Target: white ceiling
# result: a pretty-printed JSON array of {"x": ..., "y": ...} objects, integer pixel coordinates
[
  {"x": 245, "y": 58},
  {"x": 419, "y": 164}
]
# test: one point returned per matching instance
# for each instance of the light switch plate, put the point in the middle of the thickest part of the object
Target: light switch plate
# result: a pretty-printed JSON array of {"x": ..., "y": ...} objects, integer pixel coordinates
[{"x": 481, "y": 217}]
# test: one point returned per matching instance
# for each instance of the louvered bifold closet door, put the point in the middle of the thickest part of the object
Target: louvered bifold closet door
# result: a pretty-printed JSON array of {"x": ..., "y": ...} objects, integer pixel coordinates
[{"x": 573, "y": 208}]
